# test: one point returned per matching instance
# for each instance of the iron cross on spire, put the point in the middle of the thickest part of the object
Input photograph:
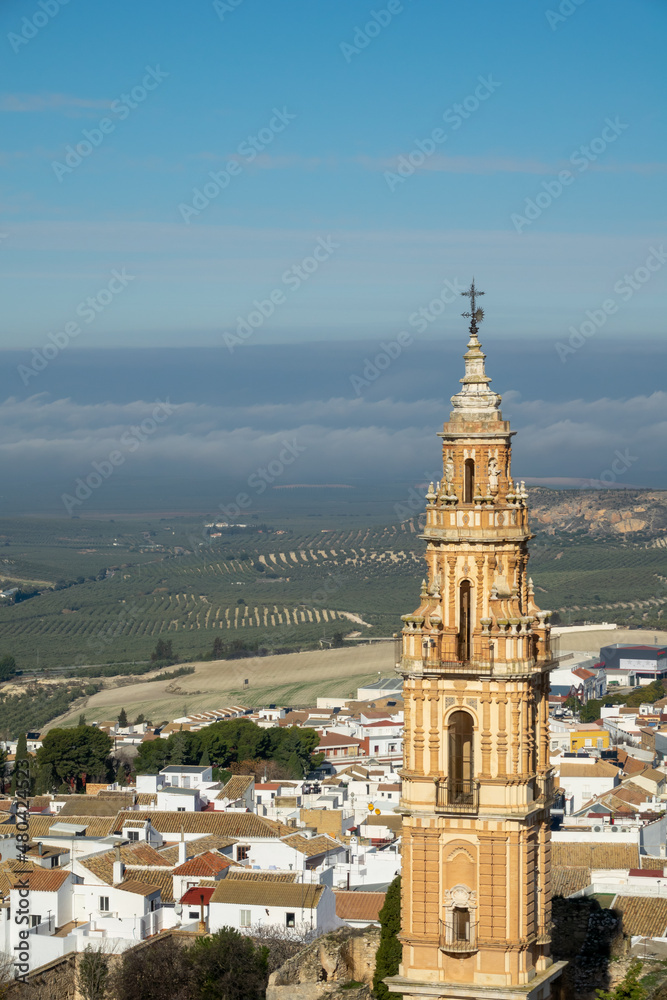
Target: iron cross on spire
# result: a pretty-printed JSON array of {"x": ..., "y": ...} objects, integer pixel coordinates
[{"x": 475, "y": 315}]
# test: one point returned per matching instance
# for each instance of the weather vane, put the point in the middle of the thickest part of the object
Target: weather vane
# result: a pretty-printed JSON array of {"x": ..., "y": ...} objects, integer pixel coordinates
[{"x": 475, "y": 315}]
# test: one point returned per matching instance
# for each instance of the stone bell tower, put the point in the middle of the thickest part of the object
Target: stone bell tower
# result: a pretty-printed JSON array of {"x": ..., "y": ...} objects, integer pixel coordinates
[{"x": 477, "y": 786}]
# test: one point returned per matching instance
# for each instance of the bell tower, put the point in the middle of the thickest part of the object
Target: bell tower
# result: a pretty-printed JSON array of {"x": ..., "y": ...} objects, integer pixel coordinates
[{"x": 477, "y": 785}]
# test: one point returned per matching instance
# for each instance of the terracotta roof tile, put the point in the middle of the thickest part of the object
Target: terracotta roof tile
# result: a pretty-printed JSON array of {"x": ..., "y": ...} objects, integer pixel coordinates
[
  {"x": 101, "y": 865},
  {"x": 137, "y": 886},
  {"x": 600, "y": 769},
  {"x": 642, "y": 915},
  {"x": 236, "y": 787},
  {"x": 266, "y": 892},
  {"x": 598, "y": 855},
  {"x": 230, "y": 824},
  {"x": 206, "y": 865},
  {"x": 359, "y": 905},
  {"x": 313, "y": 846},
  {"x": 245, "y": 875},
  {"x": 162, "y": 880},
  {"x": 565, "y": 881},
  {"x": 96, "y": 826},
  {"x": 214, "y": 842},
  {"x": 41, "y": 879}
]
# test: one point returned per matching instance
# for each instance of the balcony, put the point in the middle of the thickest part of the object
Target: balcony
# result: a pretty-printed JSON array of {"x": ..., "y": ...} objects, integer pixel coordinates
[
  {"x": 459, "y": 936},
  {"x": 453, "y": 795}
]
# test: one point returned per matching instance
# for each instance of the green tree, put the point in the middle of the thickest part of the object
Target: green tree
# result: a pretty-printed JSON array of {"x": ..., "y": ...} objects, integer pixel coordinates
[
  {"x": 7, "y": 668},
  {"x": 163, "y": 651},
  {"x": 122, "y": 718},
  {"x": 82, "y": 719},
  {"x": 628, "y": 989},
  {"x": 92, "y": 974},
  {"x": 77, "y": 755},
  {"x": 590, "y": 712},
  {"x": 22, "y": 763},
  {"x": 390, "y": 949},
  {"x": 228, "y": 966},
  {"x": 160, "y": 971},
  {"x": 45, "y": 782}
]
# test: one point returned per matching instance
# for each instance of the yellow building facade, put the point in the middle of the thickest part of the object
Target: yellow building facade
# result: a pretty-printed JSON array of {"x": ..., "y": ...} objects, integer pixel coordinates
[
  {"x": 585, "y": 739},
  {"x": 477, "y": 784}
]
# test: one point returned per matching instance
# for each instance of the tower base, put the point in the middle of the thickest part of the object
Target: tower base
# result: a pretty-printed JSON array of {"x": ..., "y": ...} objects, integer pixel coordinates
[{"x": 539, "y": 988}]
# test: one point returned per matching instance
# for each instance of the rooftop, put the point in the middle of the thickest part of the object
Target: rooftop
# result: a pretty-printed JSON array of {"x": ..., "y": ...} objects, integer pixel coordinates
[
  {"x": 359, "y": 905},
  {"x": 597, "y": 855},
  {"x": 266, "y": 893}
]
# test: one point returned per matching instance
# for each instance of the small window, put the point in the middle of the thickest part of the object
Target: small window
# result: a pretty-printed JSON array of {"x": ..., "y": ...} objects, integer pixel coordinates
[
  {"x": 461, "y": 924},
  {"x": 186, "y": 782},
  {"x": 104, "y": 904},
  {"x": 181, "y": 809},
  {"x": 242, "y": 852},
  {"x": 133, "y": 835},
  {"x": 245, "y": 918},
  {"x": 194, "y": 915},
  {"x": 589, "y": 743},
  {"x": 376, "y": 749},
  {"x": 290, "y": 920},
  {"x": 54, "y": 861}
]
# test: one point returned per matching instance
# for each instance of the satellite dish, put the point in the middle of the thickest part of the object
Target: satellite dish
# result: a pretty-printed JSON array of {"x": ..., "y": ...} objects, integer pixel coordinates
[{"x": 160, "y": 787}]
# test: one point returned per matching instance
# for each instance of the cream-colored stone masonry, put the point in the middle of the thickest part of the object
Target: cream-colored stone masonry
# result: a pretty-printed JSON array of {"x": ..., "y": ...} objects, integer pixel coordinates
[{"x": 477, "y": 786}]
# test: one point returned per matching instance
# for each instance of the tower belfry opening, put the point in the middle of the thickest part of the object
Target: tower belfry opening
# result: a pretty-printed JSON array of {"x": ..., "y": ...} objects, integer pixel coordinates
[
  {"x": 477, "y": 782},
  {"x": 468, "y": 480},
  {"x": 464, "y": 621}
]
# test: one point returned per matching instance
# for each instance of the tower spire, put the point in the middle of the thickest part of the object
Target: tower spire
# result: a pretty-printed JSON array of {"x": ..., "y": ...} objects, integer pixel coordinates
[{"x": 475, "y": 401}]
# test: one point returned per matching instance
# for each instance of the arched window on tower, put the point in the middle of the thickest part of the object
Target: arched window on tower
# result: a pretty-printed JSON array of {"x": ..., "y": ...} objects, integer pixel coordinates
[
  {"x": 468, "y": 480},
  {"x": 464, "y": 621},
  {"x": 461, "y": 769}
]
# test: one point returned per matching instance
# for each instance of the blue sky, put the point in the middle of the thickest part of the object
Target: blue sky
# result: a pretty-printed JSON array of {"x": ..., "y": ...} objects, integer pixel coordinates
[{"x": 334, "y": 123}]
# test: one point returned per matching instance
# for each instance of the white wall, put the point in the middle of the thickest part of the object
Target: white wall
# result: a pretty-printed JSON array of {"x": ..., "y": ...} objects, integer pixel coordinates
[{"x": 321, "y": 920}]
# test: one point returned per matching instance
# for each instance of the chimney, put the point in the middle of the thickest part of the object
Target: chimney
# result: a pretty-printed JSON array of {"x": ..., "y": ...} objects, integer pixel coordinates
[
  {"x": 40, "y": 848},
  {"x": 182, "y": 849},
  {"x": 118, "y": 867}
]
